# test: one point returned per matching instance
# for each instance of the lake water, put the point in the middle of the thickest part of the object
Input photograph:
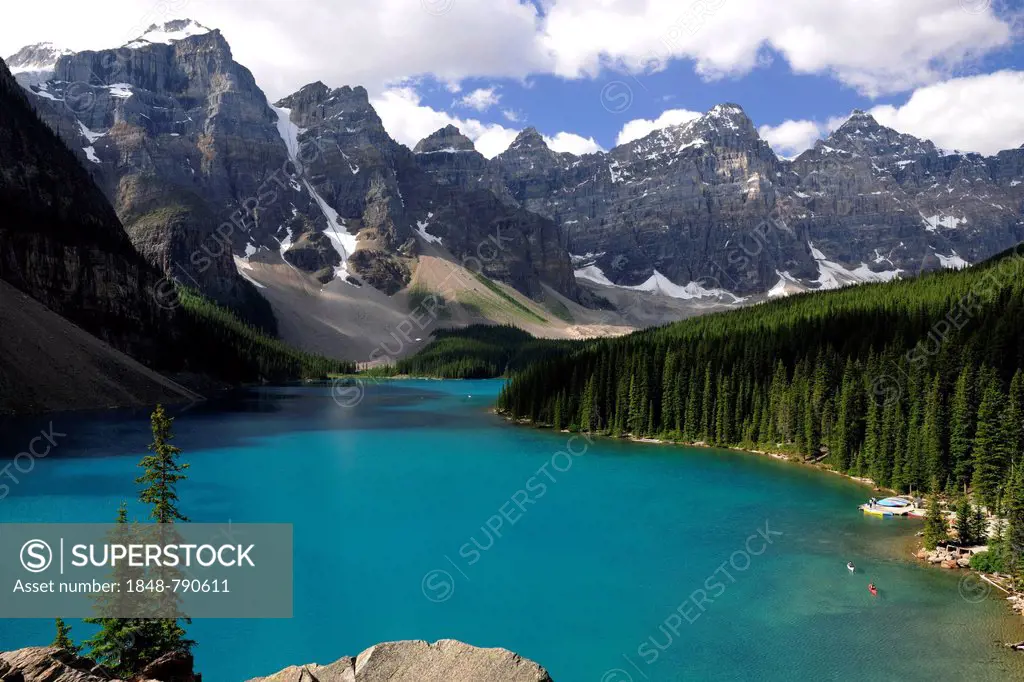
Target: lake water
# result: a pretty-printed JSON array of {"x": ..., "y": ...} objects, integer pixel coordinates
[{"x": 592, "y": 572}]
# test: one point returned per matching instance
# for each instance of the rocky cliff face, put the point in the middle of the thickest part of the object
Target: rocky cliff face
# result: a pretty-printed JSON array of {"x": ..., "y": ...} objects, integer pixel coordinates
[
  {"x": 201, "y": 170},
  {"x": 708, "y": 202},
  {"x": 674, "y": 204},
  {"x": 387, "y": 197},
  {"x": 183, "y": 143},
  {"x": 60, "y": 241},
  {"x": 871, "y": 194}
]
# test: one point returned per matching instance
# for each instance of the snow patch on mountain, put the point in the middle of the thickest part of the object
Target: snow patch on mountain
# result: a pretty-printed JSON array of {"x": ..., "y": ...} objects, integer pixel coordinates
[
  {"x": 421, "y": 230},
  {"x": 88, "y": 134},
  {"x": 933, "y": 223},
  {"x": 592, "y": 273},
  {"x": 660, "y": 284},
  {"x": 786, "y": 286},
  {"x": 953, "y": 261},
  {"x": 832, "y": 275},
  {"x": 169, "y": 33},
  {"x": 120, "y": 90},
  {"x": 342, "y": 241}
]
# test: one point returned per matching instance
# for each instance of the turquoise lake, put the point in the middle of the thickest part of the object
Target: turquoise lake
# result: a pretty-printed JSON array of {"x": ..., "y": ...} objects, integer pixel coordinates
[{"x": 391, "y": 501}]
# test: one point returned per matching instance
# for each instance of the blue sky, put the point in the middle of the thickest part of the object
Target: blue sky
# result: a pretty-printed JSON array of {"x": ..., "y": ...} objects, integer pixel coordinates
[{"x": 948, "y": 70}]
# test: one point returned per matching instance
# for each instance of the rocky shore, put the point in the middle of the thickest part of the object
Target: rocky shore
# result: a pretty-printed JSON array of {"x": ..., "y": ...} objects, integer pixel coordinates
[
  {"x": 947, "y": 556},
  {"x": 409, "y": 661}
]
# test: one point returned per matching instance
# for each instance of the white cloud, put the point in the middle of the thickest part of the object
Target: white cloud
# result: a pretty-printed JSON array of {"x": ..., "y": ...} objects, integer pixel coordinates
[
  {"x": 789, "y": 138},
  {"x": 480, "y": 99},
  {"x": 511, "y": 116},
  {"x": 642, "y": 127},
  {"x": 572, "y": 143},
  {"x": 341, "y": 42},
  {"x": 977, "y": 113},
  {"x": 973, "y": 114},
  {"x": 877, "y": 47},
  {"x": 409, "y": 121}
]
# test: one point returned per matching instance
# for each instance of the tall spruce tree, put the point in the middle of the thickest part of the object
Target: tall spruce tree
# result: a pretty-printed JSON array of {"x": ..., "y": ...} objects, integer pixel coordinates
[
  {"x": 962, "y": 422},
  {"x": 1014, "y": 546},
  {"x": 989, "y": 447},
  {"x": 127, "y": 645},
  {"x": 934, "y": 523},
  {"x": 62, "y": 640}
]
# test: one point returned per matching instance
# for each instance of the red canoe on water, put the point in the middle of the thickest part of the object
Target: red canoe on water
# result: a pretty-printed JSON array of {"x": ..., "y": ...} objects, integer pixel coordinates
[{"x": 873, "y": 590}]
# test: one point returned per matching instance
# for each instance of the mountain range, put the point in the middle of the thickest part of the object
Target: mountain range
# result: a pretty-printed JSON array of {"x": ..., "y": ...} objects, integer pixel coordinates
[{"x": 306, "y": 217}]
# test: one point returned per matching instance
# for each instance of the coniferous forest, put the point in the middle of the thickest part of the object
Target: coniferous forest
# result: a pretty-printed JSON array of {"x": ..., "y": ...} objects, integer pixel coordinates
[
  {"x": 915, "y": 384},
  {"x": 479, "y": 352},
  {"x": 218, "y": 343}
]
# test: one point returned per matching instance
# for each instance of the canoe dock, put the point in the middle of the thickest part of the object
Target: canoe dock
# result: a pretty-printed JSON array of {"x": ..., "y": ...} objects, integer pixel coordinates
[{"x": 892, "y": 506}]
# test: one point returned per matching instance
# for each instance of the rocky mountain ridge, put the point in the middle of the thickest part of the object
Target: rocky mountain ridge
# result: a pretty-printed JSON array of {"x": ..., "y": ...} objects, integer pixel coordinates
[
  {"x": 709, "y": 203},
  {"x": 204, "y": 172},
  {"x": 184, "y": 142}
]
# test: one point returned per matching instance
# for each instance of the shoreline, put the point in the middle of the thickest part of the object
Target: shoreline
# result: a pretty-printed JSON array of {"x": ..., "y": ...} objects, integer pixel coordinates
[{"x": 913, "y": 542}]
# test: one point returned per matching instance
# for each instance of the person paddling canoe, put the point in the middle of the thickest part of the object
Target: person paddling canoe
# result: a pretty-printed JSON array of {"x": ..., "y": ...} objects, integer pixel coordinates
[
  {"x": 850, "y": 567},
  {"x": 872, "y": 589}
]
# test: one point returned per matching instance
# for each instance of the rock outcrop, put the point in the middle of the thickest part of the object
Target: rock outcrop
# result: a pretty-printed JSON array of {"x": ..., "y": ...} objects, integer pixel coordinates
[
  {"x": 418, "y": 661},
  {"x": 411, "y": 661}
]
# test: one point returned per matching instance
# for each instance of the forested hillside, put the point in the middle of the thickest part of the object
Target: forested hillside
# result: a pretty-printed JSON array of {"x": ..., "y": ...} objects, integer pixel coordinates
[
  {"x": 224, "y": 346},
  {"x": 480, "y": 352},
  {"x": 908, "y": 382}
]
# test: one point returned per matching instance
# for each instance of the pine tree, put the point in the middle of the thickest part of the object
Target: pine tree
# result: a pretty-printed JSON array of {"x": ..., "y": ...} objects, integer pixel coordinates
[
  {"x": 126, "y": 645},
  {"x": 989, "y": 447},
  {"x": 934, "y": 523},
  {"x": 63, "y": 638},
  {"x": 962, "y": 422},
  {"x": 932, "y": 437},
  {"x": 670, "y": 396},
  {"x": 1015, "y": 522},
  {"x": 162, "y": 471},
  {"x": 964, "y": 521},
  {"x": 692, "y": 418}
]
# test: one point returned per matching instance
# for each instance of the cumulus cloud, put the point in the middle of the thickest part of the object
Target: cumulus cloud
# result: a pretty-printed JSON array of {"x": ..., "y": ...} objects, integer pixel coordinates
[
  {"x": 973, "y": 114},
  {"x": 977, "y": 113},
  {"x": 480, "y": 99},
  {"x": 572, "y": 143},
  {"x": 341, "y": 42},
  {"x": 790, "y": 138},
  {"x": 642, "y": 127},
  {"x": 408, "y": 120},
  {"x": 877, "y": 47}
]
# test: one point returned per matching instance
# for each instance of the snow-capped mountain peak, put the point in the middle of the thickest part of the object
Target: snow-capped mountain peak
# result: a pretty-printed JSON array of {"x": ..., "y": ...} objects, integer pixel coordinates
[
  {"x": 38, "y": 57},
  {"x": 35, "y": 64},
  {"x": 168, "y": 33}
]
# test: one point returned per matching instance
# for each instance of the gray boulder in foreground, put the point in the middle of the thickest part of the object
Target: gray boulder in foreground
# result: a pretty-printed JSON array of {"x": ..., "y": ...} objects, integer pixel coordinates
[
  {"x": 418, "y": 661},
  {"x": 413, "y": 661}
]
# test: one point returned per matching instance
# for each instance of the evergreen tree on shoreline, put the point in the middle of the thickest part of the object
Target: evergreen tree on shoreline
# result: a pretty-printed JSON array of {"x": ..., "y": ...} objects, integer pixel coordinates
[
  {"x": 126, "y": 645},
  {"x": 934, "y": 523},
  {"x": 63, "y": 638}
]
